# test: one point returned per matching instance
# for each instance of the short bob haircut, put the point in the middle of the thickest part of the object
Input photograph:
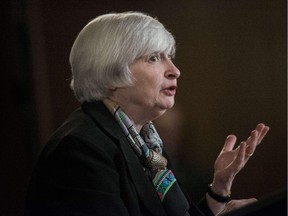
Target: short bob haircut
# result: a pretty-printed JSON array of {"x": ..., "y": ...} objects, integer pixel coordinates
[{"x": 106, "y": 46}]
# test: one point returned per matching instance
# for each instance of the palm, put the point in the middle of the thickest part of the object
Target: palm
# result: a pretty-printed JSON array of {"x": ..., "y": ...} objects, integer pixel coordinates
[
  {"x": 225, "y": 160},
  {"x": 230, "y": 161}
]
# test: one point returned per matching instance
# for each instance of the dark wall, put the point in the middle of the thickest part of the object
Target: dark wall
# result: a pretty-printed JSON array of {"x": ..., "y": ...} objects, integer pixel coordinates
[{"x": 232, "y": 55}]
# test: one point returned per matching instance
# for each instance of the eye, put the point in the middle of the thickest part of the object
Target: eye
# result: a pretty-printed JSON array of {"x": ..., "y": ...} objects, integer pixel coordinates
[
  {"x": 171, "y": 57},
  {"x": 154, "y": 57}
]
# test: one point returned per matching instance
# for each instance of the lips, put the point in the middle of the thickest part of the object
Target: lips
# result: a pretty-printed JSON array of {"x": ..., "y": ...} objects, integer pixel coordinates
[{"x": 169, "y": 91}]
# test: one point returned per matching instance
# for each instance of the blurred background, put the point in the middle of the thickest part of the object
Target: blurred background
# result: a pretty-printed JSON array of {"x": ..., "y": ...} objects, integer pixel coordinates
[{"x": 233, "y": 59}]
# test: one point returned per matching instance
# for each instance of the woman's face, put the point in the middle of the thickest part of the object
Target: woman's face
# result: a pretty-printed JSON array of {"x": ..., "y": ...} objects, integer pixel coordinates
[{"x": 154, "y": 88}]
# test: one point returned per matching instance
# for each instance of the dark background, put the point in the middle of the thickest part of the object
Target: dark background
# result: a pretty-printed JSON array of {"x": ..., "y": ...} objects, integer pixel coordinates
[{"x": 232, "y": 55}]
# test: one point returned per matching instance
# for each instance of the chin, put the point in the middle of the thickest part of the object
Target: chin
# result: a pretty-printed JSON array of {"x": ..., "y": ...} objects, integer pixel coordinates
[
  {"x": 167, "y": 106},
  {"x": 170, "y": 104},
  {"x": 163, "y": 106}
]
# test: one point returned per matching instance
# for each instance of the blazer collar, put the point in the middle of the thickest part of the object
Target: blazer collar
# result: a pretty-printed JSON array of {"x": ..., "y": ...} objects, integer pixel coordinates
[{"x": 146, "y": 192}]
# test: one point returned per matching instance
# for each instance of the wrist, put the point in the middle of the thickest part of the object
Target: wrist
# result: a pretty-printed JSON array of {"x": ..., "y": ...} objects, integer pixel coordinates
[
  {"x": 222, "y": 188},
  {"x": 222, "y": 197}
]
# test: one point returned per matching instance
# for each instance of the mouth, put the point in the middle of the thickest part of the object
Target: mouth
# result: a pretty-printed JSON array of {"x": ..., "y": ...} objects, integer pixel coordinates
[{"x": 170, "y": 91}]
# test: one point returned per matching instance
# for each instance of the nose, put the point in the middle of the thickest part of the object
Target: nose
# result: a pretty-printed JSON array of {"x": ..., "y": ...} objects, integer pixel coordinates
[{"x": 172, "y": 71}]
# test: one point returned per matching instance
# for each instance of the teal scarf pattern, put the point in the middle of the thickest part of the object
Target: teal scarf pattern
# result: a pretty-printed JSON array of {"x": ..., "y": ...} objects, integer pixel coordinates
[{"x": 148, "y": 146}]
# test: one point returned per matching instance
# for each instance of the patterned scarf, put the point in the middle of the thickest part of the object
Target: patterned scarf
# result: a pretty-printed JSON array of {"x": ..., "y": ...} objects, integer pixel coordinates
[{"x": 148, "y": 147}]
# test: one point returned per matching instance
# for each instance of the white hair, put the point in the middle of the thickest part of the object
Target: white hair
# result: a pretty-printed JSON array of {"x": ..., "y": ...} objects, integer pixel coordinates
[{"x": 106, "y": 46}]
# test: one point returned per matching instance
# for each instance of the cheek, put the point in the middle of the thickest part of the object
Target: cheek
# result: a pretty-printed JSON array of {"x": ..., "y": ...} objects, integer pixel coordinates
[
  {"x": 149, "y": 92},
  {"x": 153, "y": 89},
  {"x": 149, "y": 85}
]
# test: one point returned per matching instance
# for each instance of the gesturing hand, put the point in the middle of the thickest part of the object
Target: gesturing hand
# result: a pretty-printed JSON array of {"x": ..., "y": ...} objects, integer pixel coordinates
[
  {"x": 236, "y": 204},
  {"x": 230, "y": 161}
]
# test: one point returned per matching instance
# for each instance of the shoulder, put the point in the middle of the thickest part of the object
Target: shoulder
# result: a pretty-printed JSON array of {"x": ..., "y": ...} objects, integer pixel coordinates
[{"x": 79, "y": 132}]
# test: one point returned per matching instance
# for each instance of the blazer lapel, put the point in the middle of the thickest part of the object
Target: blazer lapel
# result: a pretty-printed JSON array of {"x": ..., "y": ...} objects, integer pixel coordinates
[{"x": 144, "y": 187}]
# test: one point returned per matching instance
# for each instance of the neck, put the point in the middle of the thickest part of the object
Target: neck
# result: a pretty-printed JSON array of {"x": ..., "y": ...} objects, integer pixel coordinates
[
  {"x": 139, "y": 115},
  {"x": 136, "y": 115}
]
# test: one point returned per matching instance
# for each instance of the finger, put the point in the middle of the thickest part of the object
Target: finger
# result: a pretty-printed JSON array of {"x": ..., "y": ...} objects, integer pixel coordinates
[
  {"x": 261, "y": 129},
  {"x": 239, "y": 162},
  {"x": 252, "y": 143},
  {"x": 229, "y": 143},
  {"x": 263, "y": 134},
  {"x": 249, "y": 139}
]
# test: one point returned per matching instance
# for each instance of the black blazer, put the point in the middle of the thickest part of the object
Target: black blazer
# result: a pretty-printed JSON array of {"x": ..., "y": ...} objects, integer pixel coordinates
[{"x": 89, "y": 168}]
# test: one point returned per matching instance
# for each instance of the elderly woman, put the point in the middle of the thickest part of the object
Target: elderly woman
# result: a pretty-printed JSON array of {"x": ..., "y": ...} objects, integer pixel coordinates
[{"x": 107, "y": 158}]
